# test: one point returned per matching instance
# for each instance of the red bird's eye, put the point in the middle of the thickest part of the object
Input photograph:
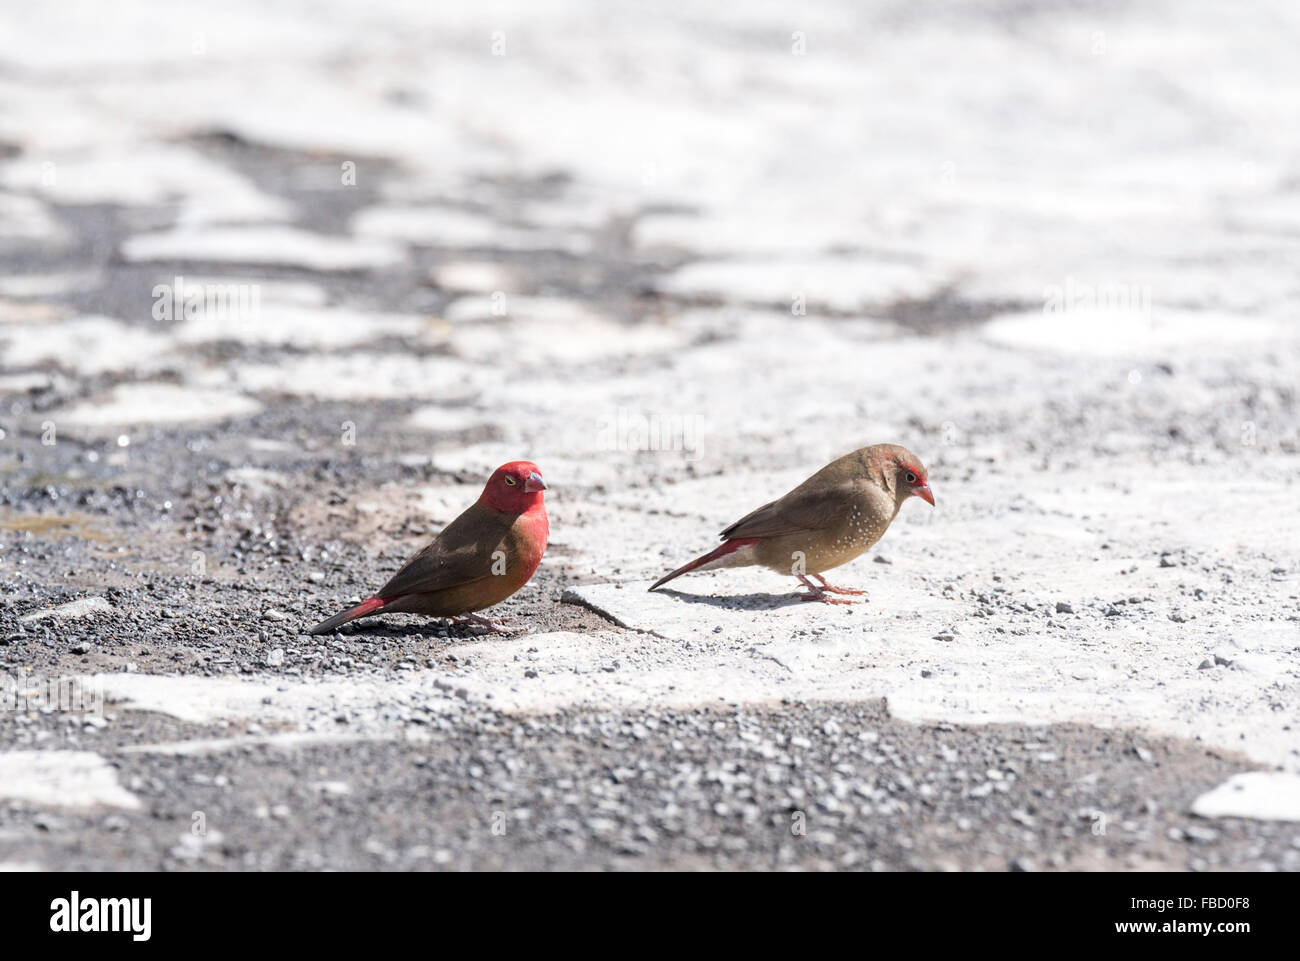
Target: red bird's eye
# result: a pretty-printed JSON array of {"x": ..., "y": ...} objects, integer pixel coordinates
[
  {"x": 911, "y": 477},
  {"x": 510, "y": 480}
]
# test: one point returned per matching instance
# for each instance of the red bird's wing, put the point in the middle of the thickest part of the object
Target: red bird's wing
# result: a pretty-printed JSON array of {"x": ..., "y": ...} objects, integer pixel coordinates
[
  {"x": 806, "y": 508},
  {"x": 461, "y": 554}
]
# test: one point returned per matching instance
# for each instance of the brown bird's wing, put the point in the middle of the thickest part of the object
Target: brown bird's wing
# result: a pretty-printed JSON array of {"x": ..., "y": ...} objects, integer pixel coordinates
[
  {"x": 808, "y": 507},
  {"x": 821, "y": 501},
  {"x": 461, "y": 554}
]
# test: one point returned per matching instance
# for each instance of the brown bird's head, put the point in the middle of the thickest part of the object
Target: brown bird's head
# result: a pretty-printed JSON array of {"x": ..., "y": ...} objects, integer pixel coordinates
[
  {"x": 902, "y": 473},
  {"x": 514, "y": 488}
]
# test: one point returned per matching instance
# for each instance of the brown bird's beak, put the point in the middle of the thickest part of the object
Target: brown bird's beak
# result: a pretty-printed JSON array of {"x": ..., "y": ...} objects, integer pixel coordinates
[
  {"x": 924, "y": 493},
  {"x": 535, "y": 484}
]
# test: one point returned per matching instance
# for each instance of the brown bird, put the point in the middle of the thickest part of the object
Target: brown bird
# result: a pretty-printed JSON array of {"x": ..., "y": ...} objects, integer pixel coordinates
[
  {"x": 479, "y": 559},
  {"x": 828, "y": 520}
]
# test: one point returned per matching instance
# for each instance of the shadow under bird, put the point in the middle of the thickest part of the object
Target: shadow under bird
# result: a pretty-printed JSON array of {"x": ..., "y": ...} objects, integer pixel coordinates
[
  {"x": 828, "y": 520},
  {"x": 479, "y": 559}
]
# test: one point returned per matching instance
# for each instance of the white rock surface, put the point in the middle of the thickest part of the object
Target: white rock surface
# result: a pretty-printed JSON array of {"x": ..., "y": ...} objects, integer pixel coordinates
[
  {"x": 444, "y": 227},
  {"x": 281, "y": 246},
  {"x": 1130, "y": 332},
  {"x": 364, "y": 376},
  {"x": 81, "y": 607},
  {"x": 210, "y": 192},
  {"x": 440, "y": 419},
  {"x": 302, "y": 327},
  {"x": 136, "y": 404},
  {"x": 65, "y": 779},
  {"x": 1263, "y": 795},
  {"x": 473, "y": 276},
  {"x": 85, "y": 345},
  {"x": 25, "y": 219}
]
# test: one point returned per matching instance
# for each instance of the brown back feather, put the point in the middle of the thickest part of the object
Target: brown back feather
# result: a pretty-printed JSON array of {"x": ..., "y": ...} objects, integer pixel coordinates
[
  {"x": 459, "y": 555},
  {"x": 818, "y": 503}
]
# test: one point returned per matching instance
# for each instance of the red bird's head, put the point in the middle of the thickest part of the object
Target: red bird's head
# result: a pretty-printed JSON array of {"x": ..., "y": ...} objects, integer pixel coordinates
[{"x": 514, "y": 488}]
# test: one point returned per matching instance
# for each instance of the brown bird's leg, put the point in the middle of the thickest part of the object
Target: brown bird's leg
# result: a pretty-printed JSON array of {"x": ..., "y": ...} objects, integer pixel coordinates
[
  {"x": 837, "y": 590},
  {"x": 816, "y": 593},
  {"x": 481, "y": 621}
]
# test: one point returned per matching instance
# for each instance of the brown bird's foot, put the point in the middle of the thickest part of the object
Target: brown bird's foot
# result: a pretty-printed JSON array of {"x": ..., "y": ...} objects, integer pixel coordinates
[
  {"x": 824, "y": 598},
  {"x": 838, "y": 590},
  {"x": 816, "y": 593},
  {"x": 481, "y": 621}
]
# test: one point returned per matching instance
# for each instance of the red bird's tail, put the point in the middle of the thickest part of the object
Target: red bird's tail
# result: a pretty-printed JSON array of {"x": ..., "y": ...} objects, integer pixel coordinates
[
  {"x": 361, "y": 610},
  {"x": 719, "y": 552}
]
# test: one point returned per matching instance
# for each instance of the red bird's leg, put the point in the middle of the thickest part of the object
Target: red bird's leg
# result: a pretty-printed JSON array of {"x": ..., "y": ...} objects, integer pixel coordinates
[
  {"x": 481, "y": 621},
  {"x": 837, "y": 590},
  {"x": 816, "y": 593}
]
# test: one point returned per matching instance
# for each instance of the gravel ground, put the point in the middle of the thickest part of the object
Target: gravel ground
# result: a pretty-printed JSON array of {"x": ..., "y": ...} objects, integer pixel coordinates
[
  {"x": 679, "y": 285},
  {"x": 800, "y": 786}
]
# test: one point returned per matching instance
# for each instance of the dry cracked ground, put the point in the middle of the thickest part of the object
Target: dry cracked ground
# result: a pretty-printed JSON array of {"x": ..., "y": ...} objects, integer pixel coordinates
[{"x": 280, "y": 285}]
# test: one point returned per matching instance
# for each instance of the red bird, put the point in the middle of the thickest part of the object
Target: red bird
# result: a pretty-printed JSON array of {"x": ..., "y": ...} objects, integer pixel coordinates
[{"x": 479, "y": 559}]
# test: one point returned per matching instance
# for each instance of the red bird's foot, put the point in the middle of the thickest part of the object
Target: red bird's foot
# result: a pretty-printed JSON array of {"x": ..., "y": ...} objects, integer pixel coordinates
[
  {"x": 838, "y": 590},
  {"x": 481, "y": 621},
  {"x": 816, "y": 593}
]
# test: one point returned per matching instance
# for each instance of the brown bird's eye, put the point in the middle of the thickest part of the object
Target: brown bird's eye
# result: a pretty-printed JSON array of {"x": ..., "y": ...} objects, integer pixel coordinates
[
  {"x": 510, "y": 480},
  {"x": 911, "y": 478}
]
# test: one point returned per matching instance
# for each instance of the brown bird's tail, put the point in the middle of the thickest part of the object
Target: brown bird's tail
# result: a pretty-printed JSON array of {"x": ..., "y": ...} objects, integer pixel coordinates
[
  {"x": 719, "y": 552},
  {"x": 363, "y": 609}
]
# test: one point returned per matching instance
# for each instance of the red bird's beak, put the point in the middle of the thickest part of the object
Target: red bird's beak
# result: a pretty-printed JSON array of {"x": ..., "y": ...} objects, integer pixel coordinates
[
  {"x": 535, "y": 483},
  {"x": 924, "y": 493}
]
